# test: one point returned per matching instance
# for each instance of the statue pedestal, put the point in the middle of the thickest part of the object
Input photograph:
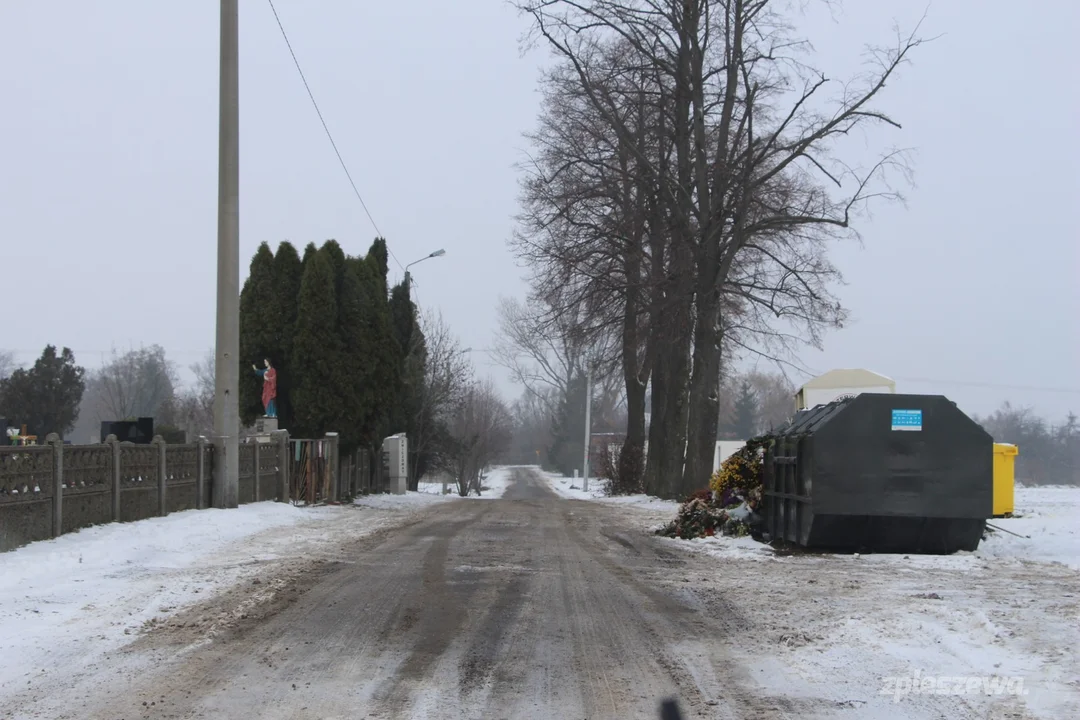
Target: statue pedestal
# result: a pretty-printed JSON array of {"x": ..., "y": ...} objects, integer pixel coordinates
[{"x": 263, "y": 427}]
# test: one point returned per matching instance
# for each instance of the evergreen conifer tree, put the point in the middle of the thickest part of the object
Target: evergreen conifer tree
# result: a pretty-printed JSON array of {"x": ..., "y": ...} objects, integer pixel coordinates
[
  {"x": 745, "y": 416},
  {"x": 379, "y": 256},
  {"x": 566, "y": 452},
  {"x": 258, "y": 331},
  {"x": 318, "y": 360},
  {"x": 412, "y": 364},
  {"x": 288, "y": 272},
  {"x": 379, "y": 357}
]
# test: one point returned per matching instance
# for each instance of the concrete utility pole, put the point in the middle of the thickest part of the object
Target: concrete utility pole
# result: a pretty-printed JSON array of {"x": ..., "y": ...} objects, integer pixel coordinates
[
  {"x": 588, "y": 426},
  {"x": 226, "y": 489}
]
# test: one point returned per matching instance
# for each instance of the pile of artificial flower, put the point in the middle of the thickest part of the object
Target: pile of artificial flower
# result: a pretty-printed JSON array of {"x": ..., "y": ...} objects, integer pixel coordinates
[{"x": 730, "y": 505}]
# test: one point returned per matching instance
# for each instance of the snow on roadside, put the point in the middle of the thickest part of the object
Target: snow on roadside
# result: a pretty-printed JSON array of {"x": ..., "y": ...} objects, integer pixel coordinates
[
  {"x": 496, "y": 482},
  {"x": 866, "y": 631},
  {"x": 67, "y": 601},
  {"x": 424, "y": 497},
  {"x": 571, "y": 488},
  {"x": 728, "y": 548},
  {"x": 434, "y": 488},
  {"x": 1049, "y": 518}
]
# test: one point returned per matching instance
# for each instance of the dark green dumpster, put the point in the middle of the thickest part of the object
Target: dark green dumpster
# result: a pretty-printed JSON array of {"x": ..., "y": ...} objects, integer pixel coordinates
[{"x": 880, "y": 473}]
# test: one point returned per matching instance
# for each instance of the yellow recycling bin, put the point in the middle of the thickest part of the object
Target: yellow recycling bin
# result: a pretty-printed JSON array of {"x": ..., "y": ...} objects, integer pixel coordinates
[{"x": 1004, "y": 478}]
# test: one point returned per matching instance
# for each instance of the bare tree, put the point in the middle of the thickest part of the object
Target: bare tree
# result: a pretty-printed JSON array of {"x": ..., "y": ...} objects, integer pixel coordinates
[
  {"x": 590, "y": 226},
  {"x": 746, "y": 169},
  {"x": 193, "y": 407},
  {"x": 545, "y": 349},
  {"x": 481, "y": 428},
  {"x": 7, "y": 364},
  {"x": 532, "y": 429},
  {"x": 775, "y": 395},
  {"x": 135, "y": 384},
  {"x": 446, "y": 375}
]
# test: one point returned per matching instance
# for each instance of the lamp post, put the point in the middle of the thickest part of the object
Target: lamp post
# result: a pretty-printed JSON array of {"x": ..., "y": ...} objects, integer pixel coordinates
[{"x": 438, "y": 253}]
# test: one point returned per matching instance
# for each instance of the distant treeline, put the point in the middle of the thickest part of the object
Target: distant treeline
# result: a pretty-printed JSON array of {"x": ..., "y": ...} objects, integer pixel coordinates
[{"x": 1049, "y": 453}]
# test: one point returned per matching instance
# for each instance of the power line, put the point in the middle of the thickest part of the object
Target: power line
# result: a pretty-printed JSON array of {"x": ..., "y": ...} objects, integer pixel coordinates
[{"x": 327, "y": 129}]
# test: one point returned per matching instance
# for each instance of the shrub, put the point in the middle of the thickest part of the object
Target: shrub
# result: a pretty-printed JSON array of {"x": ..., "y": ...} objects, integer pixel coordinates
[{"x": 623, "y": 470}]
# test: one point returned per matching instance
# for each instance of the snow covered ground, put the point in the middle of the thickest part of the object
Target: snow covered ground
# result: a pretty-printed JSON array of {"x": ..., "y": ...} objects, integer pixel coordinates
[
  {"x": 1049, "y": 520},
  {"x": 572, "y": 488},
  {"x": 495, "y": 483},
  {"x": 427, "y": 494},
  {"x": 994, "y": 633},
  {"x": 66, "y": 602}
]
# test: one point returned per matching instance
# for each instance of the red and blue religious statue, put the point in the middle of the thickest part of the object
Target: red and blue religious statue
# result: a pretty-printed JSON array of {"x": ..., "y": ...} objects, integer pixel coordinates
[{"x": 269, "y": 393}]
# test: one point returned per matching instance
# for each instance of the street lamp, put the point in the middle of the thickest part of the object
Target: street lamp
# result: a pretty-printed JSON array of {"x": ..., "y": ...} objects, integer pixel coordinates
[{"x": 438, "y": 253}]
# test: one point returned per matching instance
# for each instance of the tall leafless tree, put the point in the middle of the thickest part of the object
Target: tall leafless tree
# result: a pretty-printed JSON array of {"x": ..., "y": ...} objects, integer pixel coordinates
[
  {"x": 546, "y": 348},
  {"x": 447, "y": 372},
  {"x": 746, "y": 177},
  {"x": 133, "y": 384},
  {"x": 192, "y": 408},
  {"x": 589, "y": 225},
  {"x": 481, "y": 429}
]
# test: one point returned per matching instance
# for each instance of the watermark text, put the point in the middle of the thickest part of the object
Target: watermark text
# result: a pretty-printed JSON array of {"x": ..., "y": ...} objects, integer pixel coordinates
[{"x": 901, "y": 686}]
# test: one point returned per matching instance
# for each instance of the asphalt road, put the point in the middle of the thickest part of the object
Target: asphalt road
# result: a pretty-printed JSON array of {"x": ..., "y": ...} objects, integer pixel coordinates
[{"x": 530, "y": 606}]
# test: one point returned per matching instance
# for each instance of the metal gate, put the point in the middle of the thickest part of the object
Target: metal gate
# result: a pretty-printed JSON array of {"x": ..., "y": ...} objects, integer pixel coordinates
[
  {"x": 360, "y": 477},
  {"x": 311, "y": 479}
]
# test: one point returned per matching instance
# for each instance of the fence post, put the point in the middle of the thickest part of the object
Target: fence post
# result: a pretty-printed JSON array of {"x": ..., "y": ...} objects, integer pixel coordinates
[
  {"x": 200, "y": 472},
  {"x": 159, "y": 443},
  {"x": 282, "y": 438},
  {"x": 257, "y": 476},
  {"x": 333, "y": 460},
  {"x": 114, "y": 445},
  {"x": 57, "y": 482}
]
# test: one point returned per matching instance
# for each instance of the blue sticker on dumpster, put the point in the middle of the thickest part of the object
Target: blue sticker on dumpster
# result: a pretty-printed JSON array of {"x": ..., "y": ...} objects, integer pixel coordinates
[{"x": 907, "y": 419}]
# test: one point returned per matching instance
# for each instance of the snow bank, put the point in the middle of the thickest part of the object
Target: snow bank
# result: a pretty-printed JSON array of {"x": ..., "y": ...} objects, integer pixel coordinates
[
  {"x": 434, "y": 488},
  {"x": 496, "y": 483},
  {"x": 103, "y": 582},
  {"x": 427, "y": 495},
  {"x": 571, "y": 488},
  {"x": 728, "y": 548},
  {"x": 1049, "y": 517},
  {"x": 68, "y": 601}
]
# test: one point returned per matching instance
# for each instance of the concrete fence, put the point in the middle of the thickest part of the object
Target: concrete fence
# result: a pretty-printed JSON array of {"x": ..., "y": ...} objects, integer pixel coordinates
[{"x": 52, "y": 489}]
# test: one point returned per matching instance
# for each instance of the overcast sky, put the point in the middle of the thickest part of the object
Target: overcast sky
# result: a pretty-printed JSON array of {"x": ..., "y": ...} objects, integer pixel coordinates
[{"x": 108, "y": 175}]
